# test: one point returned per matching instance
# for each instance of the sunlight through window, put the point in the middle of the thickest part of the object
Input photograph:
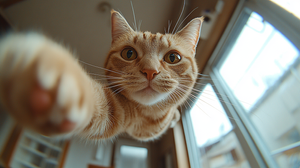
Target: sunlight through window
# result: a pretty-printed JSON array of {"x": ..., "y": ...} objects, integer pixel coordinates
[
  {"x": 208, "y": 117},
  {"x": 262, "y": 71},
  {"x": 259, "y": 57},
  {"x": 290, "y": 5},
  {"x": 216, "y": 140}
]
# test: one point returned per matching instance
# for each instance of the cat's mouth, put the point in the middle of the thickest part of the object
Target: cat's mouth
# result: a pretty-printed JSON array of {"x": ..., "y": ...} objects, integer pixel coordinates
[
  {"x": 148, "y": 90},
  {"x": 148, "y": 96}
]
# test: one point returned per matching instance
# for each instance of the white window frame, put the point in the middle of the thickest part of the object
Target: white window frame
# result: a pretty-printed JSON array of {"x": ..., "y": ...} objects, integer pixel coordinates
[{"x": 256, "y": 152}]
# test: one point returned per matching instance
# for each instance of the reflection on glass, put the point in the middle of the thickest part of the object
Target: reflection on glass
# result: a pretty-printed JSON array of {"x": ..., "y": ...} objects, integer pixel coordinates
[
  {"x": 259, "y": 57},
  {"x": 217, "y": 143},
  {"x": 263, "y": 59},
  {"x": 133, "y": 157}
]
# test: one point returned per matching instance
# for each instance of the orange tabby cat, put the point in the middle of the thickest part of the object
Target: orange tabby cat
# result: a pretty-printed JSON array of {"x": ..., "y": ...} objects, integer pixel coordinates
[{"x": 149, "y": 75}]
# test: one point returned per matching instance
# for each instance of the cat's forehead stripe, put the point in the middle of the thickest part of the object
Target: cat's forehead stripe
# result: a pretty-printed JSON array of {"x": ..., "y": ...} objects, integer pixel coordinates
[
  {"x": 153, "y": 38},
  {"x": 135, "y": 39},
  {"x": 151, "y": 43},
  {"x": 169, "y": 43}
]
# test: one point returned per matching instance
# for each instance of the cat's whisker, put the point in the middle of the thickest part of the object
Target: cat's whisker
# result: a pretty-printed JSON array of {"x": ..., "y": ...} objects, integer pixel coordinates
[
  {"x": 138, "y": 105},
  {"x": 120, "y": 91},
  {"x": 203, "y": 78},
  {"x": 196, "y": 103},
  {"x": 185, "y": 19},
  {"x": 200, "y": 91},
  {"x": 105, "y": 76},
  {"x": 208, "y": 94},
  {"x": 187, "y": 87},
  {"x": 179, "y": 95},
  {"x": 212, "y": 97},
  {"x": 191, "y": 94},
  {"x": 159, "y": 108},
  {"x": 106, "y": 82},
  {"x": 172, "y": 98},
  {"x": 98, "y": 79},
  {"x": 133, "y": 16},
  {"x": 120, "y": 82},
  {"x": 111, "y": 80},
  {"x": 205, "y": 92},
  {"x": 182, "y": 91},
  {"x": 140, "y": 23},
  {"x": 111, "y": 77},
  {"x": 218, "y": 110},
  {"x": 203, "y": 74},
  {"x": 188, "y": 81},
  {"x": 117, "y": 91},
  {"x": 169, "y": 25},
  {"x": 121, "y": 73},
  {"x": 113, "y": 86},
  {"x": 212, "y": 93},
  {"x": 199, "y": 107},
  {"x": 181, "y": 13}
]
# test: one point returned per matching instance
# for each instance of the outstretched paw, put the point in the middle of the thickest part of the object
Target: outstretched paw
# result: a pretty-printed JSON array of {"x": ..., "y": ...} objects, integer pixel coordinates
[{"x": 42, "y": 85}]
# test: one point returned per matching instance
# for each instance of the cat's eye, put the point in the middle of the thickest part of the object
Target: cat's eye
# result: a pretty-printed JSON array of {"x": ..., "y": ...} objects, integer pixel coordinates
[
  {"x": 172, "y": 58},
  {"x": 129, "y": 54}
]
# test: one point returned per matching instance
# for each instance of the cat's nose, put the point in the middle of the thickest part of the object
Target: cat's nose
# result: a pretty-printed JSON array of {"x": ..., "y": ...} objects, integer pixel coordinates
[{"x": 150, "y": 73}]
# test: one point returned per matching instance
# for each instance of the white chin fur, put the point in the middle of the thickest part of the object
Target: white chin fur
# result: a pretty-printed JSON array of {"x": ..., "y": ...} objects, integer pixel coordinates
[{"x": 148, "y": 98}]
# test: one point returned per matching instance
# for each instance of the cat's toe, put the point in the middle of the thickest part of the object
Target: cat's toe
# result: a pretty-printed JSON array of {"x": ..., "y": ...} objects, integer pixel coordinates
[
  {"x": 60, "y": 100},
  {"x": 40, "y": 101}
]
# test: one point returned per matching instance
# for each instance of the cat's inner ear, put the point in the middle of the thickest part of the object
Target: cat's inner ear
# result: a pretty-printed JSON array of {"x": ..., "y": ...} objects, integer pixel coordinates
[
  {"x": 119, "y": 25},
  {"x": 191, "y": 32}
]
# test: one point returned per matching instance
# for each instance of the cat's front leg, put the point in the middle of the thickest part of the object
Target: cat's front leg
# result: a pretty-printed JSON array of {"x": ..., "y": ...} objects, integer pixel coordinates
[{"x": 42, "y": 86}]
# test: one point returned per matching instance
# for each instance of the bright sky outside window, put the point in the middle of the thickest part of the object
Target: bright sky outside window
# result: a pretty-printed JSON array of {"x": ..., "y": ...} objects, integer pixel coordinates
[
  {"x": 259, "y": 57},
  {"x": 290, "y": 5},
  {"x": 209, "y": 120}
]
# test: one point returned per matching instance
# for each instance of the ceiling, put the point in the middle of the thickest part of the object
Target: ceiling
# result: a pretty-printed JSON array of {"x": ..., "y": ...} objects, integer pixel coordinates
[{"x": 84, "y": 26}]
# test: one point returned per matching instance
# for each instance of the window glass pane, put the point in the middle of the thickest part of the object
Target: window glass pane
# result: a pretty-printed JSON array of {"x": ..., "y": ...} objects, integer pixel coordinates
[
  {"x": 133, "y": 157},
  {"x": 217, "y": 143},
  {"x": 262, "y": 70},
  {"x": 259, "y": 57},
  {"x": 290, "y": 5}
]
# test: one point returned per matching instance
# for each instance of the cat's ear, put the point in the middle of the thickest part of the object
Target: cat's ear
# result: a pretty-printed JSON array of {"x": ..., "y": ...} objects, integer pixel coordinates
[
  {"x": 119, "y": 25},
  {"x": 191, "y": 32}
]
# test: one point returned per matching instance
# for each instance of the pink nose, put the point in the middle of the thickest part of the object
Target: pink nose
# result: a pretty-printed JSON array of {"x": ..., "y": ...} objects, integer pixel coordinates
[{"x": 150, "y": 73}]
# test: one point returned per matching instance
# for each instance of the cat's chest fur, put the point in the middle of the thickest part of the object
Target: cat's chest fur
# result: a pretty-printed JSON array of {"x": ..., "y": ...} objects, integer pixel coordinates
[{"x": 145, "y": 122}]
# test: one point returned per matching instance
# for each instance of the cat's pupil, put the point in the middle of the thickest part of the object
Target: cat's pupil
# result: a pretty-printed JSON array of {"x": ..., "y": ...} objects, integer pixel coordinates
[
  {"x": 129, "y": 53},
  {"x": 172, "y": 57}
]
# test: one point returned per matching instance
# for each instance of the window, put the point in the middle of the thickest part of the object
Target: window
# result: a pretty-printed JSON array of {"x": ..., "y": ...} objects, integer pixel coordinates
[
  {"x": 135, "y": 157},
  {"x": 216, "y": 141},
  {"x": 289, "y": 5},
  {"x": 262, "y": 71},
  {"x": 257, "y": 60},
  {"x": 252, "y": 99}
]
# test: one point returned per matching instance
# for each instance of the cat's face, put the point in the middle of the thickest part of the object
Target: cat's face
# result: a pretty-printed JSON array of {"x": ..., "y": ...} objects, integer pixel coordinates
[{"x": 152, "y": 68}]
